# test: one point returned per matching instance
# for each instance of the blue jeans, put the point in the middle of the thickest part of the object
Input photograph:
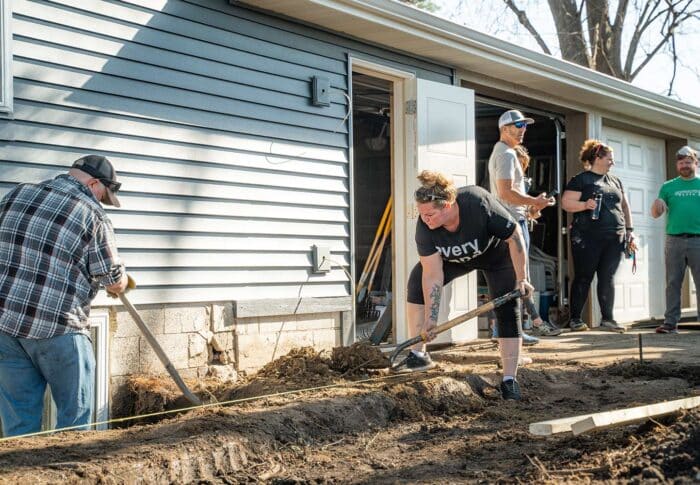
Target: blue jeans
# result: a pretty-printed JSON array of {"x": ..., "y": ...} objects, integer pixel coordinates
[
  {"x": 681, "y": 253},
  {"x": 66, "y": 363},
  {"x": 529, "y": 303}
]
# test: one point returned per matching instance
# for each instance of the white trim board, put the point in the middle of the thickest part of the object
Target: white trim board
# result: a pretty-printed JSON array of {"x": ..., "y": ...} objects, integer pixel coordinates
[{"x": 6, "y": 95}]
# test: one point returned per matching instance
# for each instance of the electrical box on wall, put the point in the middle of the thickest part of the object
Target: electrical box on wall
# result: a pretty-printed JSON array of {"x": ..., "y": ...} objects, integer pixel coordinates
[
  {"x": 321, "y": 259},
  {"x": 320, "y": 91}
]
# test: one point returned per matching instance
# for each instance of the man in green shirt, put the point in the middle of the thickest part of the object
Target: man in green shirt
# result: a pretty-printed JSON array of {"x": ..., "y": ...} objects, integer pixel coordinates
[{"x": 680, "y": 198}]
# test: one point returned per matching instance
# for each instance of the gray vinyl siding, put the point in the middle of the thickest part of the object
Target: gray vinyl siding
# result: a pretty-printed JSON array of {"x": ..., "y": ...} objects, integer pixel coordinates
[{"x": 229, "y": 173}]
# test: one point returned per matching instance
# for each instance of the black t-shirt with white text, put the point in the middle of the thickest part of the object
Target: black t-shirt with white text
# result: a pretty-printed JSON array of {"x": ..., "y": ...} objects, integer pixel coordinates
[
  {"x": 483, "y": 224},
  {"x": 611, "y": 218}
]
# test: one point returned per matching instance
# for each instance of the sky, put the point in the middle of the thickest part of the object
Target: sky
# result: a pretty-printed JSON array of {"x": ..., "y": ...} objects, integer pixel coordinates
[{"x": 494, "y": 18}]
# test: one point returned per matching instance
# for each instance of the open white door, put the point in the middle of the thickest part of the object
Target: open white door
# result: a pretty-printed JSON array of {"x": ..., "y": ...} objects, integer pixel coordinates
[{"x": 445, "y": 142}]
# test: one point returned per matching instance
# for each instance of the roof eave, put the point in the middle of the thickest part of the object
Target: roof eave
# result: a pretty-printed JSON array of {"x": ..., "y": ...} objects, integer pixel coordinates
[{"x": 402, "y": 27}]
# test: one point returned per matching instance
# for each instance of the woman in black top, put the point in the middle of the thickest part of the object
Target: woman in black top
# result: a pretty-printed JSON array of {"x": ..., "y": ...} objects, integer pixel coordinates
[
  {"x": 597, "y": 235},
  {"x": 461, "y": 230}
]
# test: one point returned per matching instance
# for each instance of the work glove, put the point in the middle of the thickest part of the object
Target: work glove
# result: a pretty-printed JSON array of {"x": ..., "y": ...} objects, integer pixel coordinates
[{"x": 130, "y": 285}]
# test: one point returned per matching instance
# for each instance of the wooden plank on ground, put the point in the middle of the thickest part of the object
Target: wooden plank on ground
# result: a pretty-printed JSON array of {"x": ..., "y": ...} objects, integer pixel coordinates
[
  {"x": 630, "y": 415},
  {"x": 564, "y": 425},
  {"x": 554, "y": 426}
]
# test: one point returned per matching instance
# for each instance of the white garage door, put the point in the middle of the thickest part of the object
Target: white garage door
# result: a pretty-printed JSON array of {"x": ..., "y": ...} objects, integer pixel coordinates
[{"x": 640, "y": 163}]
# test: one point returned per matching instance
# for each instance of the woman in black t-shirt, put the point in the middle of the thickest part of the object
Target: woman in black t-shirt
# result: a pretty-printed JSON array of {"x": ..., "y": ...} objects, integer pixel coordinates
[
  {"x": 597, "y": 233},
  {"x": 461, "y": 230}
]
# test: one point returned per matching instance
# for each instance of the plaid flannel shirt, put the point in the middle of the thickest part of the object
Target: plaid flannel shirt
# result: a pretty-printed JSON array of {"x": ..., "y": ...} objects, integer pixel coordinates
[{"x": 57, "y": 246}]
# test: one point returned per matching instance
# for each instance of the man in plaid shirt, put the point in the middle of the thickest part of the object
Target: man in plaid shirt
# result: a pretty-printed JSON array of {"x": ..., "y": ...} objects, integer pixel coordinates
[{"x": 57, "y": 247}]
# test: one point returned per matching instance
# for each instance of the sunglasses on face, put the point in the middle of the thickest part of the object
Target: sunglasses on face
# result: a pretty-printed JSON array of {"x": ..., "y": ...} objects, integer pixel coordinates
[
  {"x": 520, "y": 124},
  {"x": 113, "y": 186},
  {"x": 426, "y": 195}
]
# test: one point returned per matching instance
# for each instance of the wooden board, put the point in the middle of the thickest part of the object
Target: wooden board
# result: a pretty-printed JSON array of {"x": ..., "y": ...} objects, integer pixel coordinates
[
  {"x": 630, "y": 415},
  {"x": 584, "y": 422}
]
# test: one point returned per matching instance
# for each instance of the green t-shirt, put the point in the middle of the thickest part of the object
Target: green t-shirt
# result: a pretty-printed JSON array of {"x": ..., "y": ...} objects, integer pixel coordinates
[{"x": 683, "y": 200}]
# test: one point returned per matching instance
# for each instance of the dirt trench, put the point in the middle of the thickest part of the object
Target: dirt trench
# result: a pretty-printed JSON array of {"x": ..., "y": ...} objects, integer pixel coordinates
[{"x": 444, "y": 426}]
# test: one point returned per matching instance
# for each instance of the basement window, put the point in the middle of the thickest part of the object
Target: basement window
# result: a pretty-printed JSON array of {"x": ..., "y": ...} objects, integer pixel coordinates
[{"x": 5, "y": 58}]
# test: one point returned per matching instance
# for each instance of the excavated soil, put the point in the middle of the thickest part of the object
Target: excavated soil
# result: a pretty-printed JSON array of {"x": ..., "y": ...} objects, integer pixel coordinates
[{"x": 362, "y": 425}]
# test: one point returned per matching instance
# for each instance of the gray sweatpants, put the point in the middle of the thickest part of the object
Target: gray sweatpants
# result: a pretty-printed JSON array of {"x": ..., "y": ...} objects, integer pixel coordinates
[{"x": 681, "y": 253}]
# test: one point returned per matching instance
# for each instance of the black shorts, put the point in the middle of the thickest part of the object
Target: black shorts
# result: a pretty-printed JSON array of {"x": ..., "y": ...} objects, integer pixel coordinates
[{"x": 500, "y": 278}]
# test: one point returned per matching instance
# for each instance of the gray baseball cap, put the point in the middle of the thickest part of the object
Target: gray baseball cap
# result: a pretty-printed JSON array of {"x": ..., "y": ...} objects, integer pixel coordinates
[
  {"x": 513, "y": 116},
  {"x": 686, "y": 151}
]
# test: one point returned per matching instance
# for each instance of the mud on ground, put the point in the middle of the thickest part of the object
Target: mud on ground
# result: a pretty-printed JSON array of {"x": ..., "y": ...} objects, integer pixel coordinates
[{"x": 447, "y": 425}]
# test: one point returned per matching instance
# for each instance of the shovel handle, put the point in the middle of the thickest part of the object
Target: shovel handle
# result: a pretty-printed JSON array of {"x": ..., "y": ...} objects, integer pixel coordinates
[
  {"x": 485, "y": 308},
  {"x": 159, "y": 351}
]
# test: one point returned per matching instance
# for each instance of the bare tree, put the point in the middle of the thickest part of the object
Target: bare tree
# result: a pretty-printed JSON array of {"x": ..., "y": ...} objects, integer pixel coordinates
[
  {"x": 618, "y": 37},
  {"x": 591, "y": 34}
]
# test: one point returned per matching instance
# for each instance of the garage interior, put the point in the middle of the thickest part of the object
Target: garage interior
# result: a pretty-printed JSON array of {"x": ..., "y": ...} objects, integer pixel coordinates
[
  {"x": 373, "y": 217},
  {"x": 541, "y": 142},
  {"x": 372, "y": 190}
]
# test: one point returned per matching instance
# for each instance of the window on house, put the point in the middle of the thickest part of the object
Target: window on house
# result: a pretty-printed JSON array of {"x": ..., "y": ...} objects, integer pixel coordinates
[{"x": 5, "y": 58}]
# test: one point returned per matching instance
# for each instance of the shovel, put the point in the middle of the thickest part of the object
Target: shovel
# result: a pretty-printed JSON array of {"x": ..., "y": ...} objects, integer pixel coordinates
[
  {"x": 159, "y": 351},
  {"x": 423, "y": 337}
]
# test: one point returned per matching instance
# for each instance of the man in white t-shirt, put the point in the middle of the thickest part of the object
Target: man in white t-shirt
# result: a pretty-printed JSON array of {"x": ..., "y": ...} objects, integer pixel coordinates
[{"x": 507, "y": 183}]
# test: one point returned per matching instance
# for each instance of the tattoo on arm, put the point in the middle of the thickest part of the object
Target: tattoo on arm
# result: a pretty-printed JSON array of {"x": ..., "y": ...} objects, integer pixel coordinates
[
  {"x": 518, "y": 242},
  {"x": 435, "y": 295}
]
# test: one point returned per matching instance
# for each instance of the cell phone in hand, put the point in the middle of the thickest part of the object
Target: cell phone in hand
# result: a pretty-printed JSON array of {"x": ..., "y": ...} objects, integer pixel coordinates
[{"x": 552, "y": 193}]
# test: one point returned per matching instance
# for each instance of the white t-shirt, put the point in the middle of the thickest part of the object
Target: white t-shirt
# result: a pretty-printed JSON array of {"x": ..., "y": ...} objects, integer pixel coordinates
[{"x": 504, "y": 165}]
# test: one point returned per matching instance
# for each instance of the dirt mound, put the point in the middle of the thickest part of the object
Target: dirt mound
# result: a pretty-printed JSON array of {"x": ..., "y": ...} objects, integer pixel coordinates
[
  {"x": 357, "y": 358},
  {"x": 148, "y": 394},
  {"x": 437, "y": 396},
  {"x": 658, "y": 370},
  {"x": 299, "y": 364},
  {"x": 301, "y": 368},
  {"x": 151, "y": 393},
  {"x": 440, "y": 426},
  {"x": 664, "y": 450},
  {"x": 668, "y": 451}
]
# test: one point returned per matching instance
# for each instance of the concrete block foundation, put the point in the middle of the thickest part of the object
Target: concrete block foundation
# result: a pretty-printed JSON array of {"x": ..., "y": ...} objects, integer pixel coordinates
[{"x": 207, "y": 339}]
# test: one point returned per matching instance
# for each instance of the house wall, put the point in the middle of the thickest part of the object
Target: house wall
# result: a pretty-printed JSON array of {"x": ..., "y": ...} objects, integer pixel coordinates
[{"x": 229, "y": 173}]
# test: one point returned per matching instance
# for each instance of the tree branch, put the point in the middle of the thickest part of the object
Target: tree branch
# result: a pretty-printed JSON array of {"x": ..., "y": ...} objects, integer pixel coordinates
[
  {"x": 525, "y": 22},
  {"x": 671, "y": 22},
  {"x": 646, "y": 18},
  {"x": 665, "y": 37},
  {"x": 620, "y": 15},
  {"x": 570, "y": 34},
  {"x": 675, "y": 64}
]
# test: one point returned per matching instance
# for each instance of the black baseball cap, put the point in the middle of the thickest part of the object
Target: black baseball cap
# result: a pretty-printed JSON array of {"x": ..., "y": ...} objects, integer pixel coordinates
[{"x": 102, "y": 169}]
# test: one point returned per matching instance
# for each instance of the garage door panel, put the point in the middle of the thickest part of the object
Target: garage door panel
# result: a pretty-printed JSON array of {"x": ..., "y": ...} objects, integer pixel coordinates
[
  {"x": 636, "y": 296},
  {"x": 616, "y": 145},
  {"x": 656, "y": 170},
  {"x": 620, "y": 299},
  {"x": 635, "y": 159},
  {"x": 635, "y": 197}
]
